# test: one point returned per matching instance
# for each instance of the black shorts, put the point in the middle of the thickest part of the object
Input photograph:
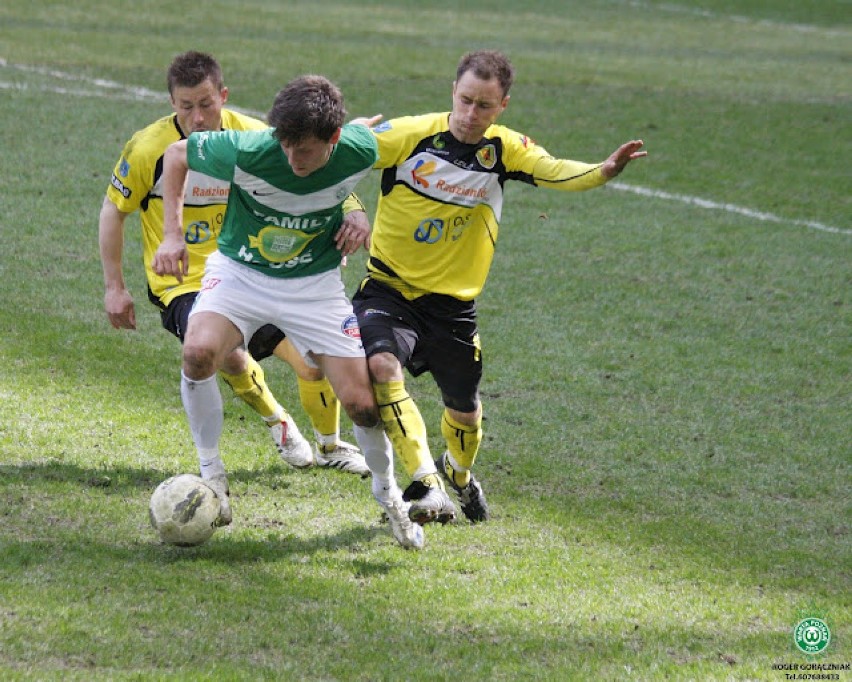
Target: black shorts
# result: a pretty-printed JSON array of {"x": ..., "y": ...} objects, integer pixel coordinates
[
  {"x": 176, "y": 316},
  {"x": 433, "y": 333}
]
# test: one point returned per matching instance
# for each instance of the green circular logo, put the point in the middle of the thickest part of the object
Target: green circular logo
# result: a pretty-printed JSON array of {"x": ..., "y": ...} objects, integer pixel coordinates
[{"x": 811, "y": 635}]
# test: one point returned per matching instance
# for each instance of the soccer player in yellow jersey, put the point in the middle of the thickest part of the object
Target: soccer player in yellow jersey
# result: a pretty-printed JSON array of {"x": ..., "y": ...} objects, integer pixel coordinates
[
  {"x": 198, "y": 96},
  {"x": 433, "y": 241}
]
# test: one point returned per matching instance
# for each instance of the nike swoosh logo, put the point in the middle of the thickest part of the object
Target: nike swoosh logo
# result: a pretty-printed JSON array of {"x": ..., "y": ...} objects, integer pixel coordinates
[{"x": 261, "y": 194}]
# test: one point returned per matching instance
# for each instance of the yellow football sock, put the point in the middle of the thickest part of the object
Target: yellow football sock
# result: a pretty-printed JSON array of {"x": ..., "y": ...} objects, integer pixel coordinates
[
  {"x": 250, "y": 386},
  {"x": 405, "y": 428},
  {"x": 463, "y": 444},
  {"x": 323, "y": 408}
]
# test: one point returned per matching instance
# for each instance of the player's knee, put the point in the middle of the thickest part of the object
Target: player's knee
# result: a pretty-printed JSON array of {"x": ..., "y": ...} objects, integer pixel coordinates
[
  {"x": 363, "y": 410},
  {"x": 384, "y": 367},
  {"x": 307, "y": 373},
  {"x": 199, "y": 361},
  {"x": 471, "y": 419},
  {"x": 235, "y": 362},
  {"x": 466, "y": 411}
]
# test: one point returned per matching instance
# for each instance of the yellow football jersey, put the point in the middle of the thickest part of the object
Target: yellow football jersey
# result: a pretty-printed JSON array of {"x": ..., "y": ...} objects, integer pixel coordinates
[
  {"x": 136, "y": 184},
  {"x": 439, "y": 209}
]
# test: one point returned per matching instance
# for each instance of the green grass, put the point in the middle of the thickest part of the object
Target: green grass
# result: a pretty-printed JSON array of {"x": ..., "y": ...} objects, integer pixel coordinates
[{"x": 666, "y": 393}]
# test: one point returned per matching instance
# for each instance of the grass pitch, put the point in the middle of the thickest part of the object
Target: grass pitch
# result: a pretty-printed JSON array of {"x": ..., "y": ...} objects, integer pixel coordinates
[{"x": 667, "y": 374}]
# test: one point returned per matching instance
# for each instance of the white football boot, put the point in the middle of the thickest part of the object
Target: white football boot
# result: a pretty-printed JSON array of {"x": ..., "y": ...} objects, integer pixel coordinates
[
  {"x": 344, "y": 457},
  {"x": 291, "y": 444},
  {"x": 407, "y": 533},
  {"x": 219, "y": 485}
]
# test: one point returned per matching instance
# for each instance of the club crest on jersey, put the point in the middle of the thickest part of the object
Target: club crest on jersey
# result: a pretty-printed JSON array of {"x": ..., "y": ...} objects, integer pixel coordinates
[
  {"x": 384, "y": 126},
  {"x": 123, "y": 167},
  {"x": 350, "y": 327},
  {"x": 487, "y": 156}
]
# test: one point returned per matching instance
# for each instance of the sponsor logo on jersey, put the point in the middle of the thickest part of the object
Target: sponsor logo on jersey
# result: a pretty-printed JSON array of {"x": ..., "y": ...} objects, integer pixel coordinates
[
  {"x": 382, "y": 127},
  {"x": 350, "y": 327},
  {"x": 429, "y": 231},
  {"x": 217, "y": 192},
  {"x": 421, "y": 170},
  {"x": 296, "y": 223},
  {"x": 487, "y": 156},
  {"x": 119, "y": 185},
  {"x": 462, "y": 190},
  {"x": 464, "y": 165},
  {"x": 370, "y": 312},
  {"x": 123, "y": 167},
  {"x": 200, "y": 140},
  {"x": 198, "y": 232},
  {"x": 278, "y": 244}
]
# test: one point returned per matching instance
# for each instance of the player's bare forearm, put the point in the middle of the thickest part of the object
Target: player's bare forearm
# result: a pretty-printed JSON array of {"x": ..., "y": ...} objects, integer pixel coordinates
[
  {"x": 118, "y": 303},
  {"x": 172, "y": 257}
]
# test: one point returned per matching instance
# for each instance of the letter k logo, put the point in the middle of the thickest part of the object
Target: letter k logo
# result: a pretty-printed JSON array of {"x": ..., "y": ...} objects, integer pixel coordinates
[{"x": 421, "y": 170}]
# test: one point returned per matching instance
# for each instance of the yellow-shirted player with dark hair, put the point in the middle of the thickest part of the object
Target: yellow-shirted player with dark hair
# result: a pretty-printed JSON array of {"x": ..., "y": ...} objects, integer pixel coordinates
[
  {"x": 198, "y": 95},
  {"x": 433, "y": 241}
]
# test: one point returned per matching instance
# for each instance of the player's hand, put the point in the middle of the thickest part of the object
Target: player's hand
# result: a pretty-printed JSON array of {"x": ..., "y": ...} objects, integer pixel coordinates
[
  {"x": 354, "y": 232},
  {"x": 120, "y": 310},
  {"x": 621, "y": 157},
  {"x": 368, "y": 121},
  {"x": 171, "y": 257}
]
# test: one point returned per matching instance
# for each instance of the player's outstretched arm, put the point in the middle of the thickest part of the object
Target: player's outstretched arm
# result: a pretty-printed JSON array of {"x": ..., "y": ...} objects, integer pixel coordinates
[
  {"x": 621, "y": 157},
  {"x": 368, "y": 121}
]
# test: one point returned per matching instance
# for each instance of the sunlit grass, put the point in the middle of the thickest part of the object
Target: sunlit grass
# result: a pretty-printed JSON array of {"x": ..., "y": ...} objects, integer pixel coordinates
[{"x": 666, "y": 392}]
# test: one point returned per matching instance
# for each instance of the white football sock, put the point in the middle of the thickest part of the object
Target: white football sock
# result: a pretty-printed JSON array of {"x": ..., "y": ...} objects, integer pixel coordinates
[
  {"x": 378, "y": 452},
  {"x": 210, "y": 464},
  {"x": 202, "y": 403}
]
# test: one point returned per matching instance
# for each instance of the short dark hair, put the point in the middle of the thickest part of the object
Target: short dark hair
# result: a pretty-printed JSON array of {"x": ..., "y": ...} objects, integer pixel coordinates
[
  {"x": 488, "y": 64},
  {"x": 192, "y": 68},
  {"x": 308, "y": 106}
]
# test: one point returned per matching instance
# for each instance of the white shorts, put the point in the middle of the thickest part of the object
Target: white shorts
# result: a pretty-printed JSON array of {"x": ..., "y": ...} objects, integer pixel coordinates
[{"x": 313, "y": 311}]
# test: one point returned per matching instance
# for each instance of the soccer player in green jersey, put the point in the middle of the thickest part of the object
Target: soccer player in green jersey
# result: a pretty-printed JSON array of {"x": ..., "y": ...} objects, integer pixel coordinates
[
  {"x": 278, "y": 263},
  {"x": 198, "y": 96},
  {"x": 433, "y": 241}
]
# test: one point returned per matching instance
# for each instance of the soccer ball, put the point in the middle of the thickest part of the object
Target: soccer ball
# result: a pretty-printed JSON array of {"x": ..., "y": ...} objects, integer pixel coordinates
[{"x": 183, "y": 510}]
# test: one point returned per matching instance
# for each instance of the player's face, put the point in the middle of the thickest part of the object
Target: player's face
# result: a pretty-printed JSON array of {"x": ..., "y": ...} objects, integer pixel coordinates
[
  {"x": 310, "y": 154},
  {"x": 476, "y": 105},
  {"x": 200, "y": 107}
]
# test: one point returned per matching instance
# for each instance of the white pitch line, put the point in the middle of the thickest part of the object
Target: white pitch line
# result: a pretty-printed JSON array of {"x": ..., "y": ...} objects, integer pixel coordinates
[
  {"x": 120, "y": 91},
  {"x": 728, "y": 208},
  {"x": 734, "y": 18}
]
